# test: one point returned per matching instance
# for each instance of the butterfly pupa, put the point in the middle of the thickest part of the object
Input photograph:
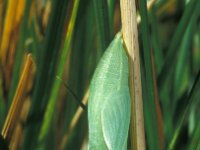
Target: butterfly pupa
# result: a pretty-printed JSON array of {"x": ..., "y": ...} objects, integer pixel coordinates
[{"x": 109, "y": 100}]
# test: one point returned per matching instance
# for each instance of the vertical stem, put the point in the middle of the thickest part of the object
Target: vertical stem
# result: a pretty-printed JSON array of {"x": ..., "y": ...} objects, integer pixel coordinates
[
  {"x": 16, "y": 107},
  {"x": 130, "y": 35}
]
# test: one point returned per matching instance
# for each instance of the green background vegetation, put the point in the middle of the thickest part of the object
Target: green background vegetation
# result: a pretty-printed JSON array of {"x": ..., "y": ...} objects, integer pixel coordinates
[{"x": 70, "y": 46}]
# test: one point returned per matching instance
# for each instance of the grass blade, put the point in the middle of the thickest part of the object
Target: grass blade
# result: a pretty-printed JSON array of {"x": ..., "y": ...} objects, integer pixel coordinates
[
  {"x": 19, "y": 52},
  {"x": 15, "y": 109},
  {"x": 8, "y": 43},
  {"x": 103, "y": 23},
  {"x": 56, "y": 85},
  {"x": 195, "y": 141},
  {"x": 181, "y": 73},
  {"x": 74, "y": 121},
  {"x": 46, "y": 70},
  {"x": 190, "y": 100},
  {"x": 192, "y": 8},
  {"x": 151, "y": 116}
]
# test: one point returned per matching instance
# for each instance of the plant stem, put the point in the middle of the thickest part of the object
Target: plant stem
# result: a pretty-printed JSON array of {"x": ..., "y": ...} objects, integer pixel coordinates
[
  {"x": 130, "y": 35},
  {"x": 75, "y": 120},
  {"x": 15, "y": 109}
]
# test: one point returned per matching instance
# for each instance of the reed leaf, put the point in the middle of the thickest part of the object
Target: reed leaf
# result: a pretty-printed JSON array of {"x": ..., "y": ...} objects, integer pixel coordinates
[
  {"x": 192, "y": 8},
  {"x": 150, "y": 113},
  {"x": 103, "y": 22},
  {"x": 56, "y": 85},
  {"x": 191, "y": 99},
  {"x": 46, "y": 70}
]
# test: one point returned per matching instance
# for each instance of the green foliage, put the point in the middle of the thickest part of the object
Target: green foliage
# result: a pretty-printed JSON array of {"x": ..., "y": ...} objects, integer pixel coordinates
[
  {"x": 148, "y": 83},
  {"x": 44, "y": 77},
  {"x": 109, "y": 100},
  {"x": 70, "y": 46},
  {"x": 103, "y": 22},
  {"x": 191, "y": 100},
  {"x": 56, "y": 85}
]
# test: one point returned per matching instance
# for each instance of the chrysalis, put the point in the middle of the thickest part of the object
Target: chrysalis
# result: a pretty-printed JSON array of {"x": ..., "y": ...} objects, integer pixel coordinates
[{"x": 109, "y": 100}]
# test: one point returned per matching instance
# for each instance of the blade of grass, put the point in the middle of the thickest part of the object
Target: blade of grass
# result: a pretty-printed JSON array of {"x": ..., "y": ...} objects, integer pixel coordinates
[
  {"x": 158, "y": 108},
  {"x": 46, "y": 71},
  {"x": 192, "y": 8},
  {"x": 150, "y": 113},
  {"x": 86, "y": 46},
  {"x": 180, "y": 82},
  {"x": 130, "y": 35},
  {"x": 17, "y": 136},
  {"x": 170, "y": 102},
  {"x": 74, "y": 121},
  {"x": 1, "y": 18},
  {"x": 195, "y": 141},
  {"x": 19, "y": 127},
  {"x": 111, "y": 8},
  {"x": 15, "y": 109},
  {"x": 191, "y": 98},
  {"x": 83, "y": 60},
  {"x": 56, "y": 85},
  {"x": 2, "y": 105},
  {"x": 14, "y": 13},
  {"x": 103, "y": 23},
  {"x": 2, "y": 100},
  {"x": 19, "y": 53},
  {"x": 195, "y": 53},
  {"x": 11, "y": 19},
  {"x": 150, "y": 4},
  {"x": 156, "y": 46}
]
